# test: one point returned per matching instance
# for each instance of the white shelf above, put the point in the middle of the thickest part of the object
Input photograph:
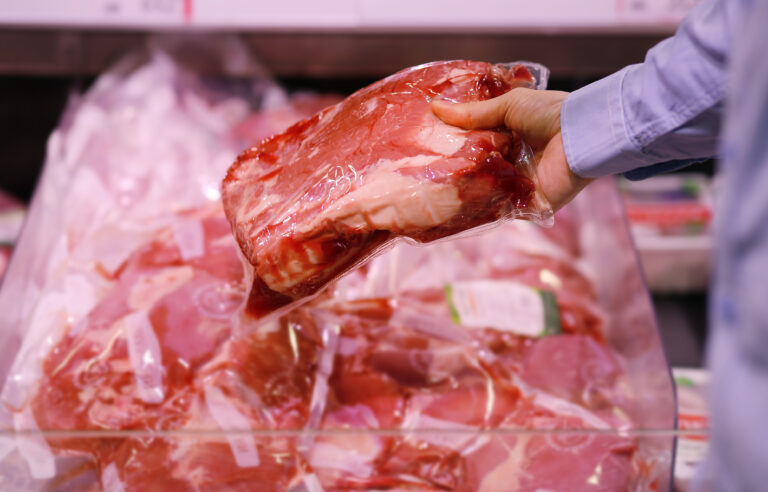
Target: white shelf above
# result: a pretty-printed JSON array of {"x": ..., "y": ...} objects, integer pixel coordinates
[{"x": 651, "y": 16}]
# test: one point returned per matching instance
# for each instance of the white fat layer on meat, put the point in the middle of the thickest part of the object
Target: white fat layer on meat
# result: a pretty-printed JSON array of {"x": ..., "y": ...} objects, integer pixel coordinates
[
  {"x": 438, "y": 137},
  {"x": 282, "y": 275},
  {"x": 370, "y": 105},
  {"x": 389, "y": 200},
  {"x": 253, "y": 207},
  {"x": 333, "y": 111},
  {"x": 150, "y": 289}
]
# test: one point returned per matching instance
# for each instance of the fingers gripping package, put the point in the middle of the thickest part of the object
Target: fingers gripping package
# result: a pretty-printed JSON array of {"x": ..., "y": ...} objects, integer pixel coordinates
[
  {"x": 520, "y": 359},
  {"x": 309, "y": 204}
]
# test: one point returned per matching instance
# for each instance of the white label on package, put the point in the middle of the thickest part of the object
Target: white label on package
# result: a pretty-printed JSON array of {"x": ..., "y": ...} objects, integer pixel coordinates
[
  {"x": 507, "y": 306},
  {"x": 229, "y": 418},
  {"x": 146, "y": 358}
]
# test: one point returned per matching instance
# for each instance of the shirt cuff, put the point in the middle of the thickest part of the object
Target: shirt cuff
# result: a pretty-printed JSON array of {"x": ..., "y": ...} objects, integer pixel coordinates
[
  {"x": 665, "y": 167},
  {"x": 594, "y": 130}
]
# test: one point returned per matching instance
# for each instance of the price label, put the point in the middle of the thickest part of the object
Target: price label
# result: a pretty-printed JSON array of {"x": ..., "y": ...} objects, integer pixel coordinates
[
  {"x": 174, "y": 11},
  {"x": 503, "y": 305},
  {"x": 663, "y": 8}
]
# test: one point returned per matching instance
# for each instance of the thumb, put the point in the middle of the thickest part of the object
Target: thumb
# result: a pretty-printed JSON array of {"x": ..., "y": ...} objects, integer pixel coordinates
[
  {"x": 534, "y": 114},
  {"x": 480, "y": 114}
]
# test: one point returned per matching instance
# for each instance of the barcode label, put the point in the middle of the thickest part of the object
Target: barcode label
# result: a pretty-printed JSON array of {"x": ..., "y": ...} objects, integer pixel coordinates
[{"x": 503, "y": 305}]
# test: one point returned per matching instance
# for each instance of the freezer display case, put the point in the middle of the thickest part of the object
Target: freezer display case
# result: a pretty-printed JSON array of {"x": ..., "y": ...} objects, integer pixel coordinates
[{"x": 522, "y": 358}]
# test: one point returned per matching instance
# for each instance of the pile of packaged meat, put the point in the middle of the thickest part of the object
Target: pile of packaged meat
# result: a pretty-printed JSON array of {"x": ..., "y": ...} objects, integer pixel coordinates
[{"x": 153, "y": 349}]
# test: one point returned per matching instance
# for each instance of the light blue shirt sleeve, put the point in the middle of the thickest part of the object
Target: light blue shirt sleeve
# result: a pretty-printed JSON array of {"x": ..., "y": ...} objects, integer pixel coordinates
[
  {"x": 667, "y": 112},
  {"x": 658, "y": 115}
]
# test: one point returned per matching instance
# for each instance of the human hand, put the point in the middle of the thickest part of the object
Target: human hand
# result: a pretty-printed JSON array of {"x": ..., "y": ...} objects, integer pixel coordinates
[{"x": 535, "y": 116}]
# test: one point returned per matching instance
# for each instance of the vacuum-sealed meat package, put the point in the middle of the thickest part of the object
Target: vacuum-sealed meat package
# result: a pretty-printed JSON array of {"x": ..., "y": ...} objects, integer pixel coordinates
[{"x": 309, "y": 204}]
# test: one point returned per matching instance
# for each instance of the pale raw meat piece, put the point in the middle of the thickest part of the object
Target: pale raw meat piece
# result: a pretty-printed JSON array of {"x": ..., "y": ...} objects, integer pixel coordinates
[
  {"x": 212, "y": 462},
  {"x": 144, "y": 341},
  {"x": 310, "y": 203},
  {"x": 388, "y": 375},
  {"x": 263, "y": 381},
  {"x": 573, "y": 461},
  {"x": 579, "y": 369}
]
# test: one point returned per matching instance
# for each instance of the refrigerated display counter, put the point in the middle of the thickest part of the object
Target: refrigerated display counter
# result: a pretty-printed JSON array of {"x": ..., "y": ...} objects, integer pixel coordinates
[{"x": 522, "y": 358}]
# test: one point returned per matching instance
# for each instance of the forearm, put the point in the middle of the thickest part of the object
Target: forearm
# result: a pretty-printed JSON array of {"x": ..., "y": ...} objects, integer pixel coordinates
[{"x": 664, "y": 112}]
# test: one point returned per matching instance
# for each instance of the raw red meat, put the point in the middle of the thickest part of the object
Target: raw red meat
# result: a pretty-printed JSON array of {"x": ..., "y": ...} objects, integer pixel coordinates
[
  {"x": 387, "y": 372},
  {"x": 389, "y": 375},
  {"x": 567, "y": 460},
  {"x": 393, "y": 366},
  {"x": 310, "y": 203},
  {"x": 167, "y": 313},
  {"x": 261, "y": 382}
]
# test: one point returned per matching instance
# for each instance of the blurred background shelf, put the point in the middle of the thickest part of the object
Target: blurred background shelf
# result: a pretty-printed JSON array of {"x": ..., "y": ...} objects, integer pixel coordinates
[
  {"x": 87, "y": 52},
  {"x": 343, "y": 38},
  {"x": 393, "y": 15}
]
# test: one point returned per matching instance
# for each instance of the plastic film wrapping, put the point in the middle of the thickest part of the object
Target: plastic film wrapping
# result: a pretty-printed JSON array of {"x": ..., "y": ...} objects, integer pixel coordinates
[{"x": 310, "y": 204}]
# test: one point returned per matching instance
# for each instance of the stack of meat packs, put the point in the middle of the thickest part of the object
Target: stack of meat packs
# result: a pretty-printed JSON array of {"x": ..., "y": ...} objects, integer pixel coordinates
[
  {"x": 476, "y": 335},
  {"x": 474, "y": 364}
]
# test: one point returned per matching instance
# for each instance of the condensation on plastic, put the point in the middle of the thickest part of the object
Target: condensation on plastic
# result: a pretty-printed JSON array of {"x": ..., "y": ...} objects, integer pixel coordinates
[
  {"x": 97, "y": 310},
  {"x": 334, "y": 190}
]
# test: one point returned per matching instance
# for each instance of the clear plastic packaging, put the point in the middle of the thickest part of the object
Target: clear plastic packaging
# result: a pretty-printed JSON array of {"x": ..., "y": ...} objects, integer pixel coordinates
[
  {"x": 129, "y": 366},
  {"x": 310, "y": 204},
  {"x": 565, "y": 308}
]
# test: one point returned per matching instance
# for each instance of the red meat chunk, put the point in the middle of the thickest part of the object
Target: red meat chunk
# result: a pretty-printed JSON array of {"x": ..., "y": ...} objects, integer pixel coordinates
[{"x": 310, "y": 203}]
